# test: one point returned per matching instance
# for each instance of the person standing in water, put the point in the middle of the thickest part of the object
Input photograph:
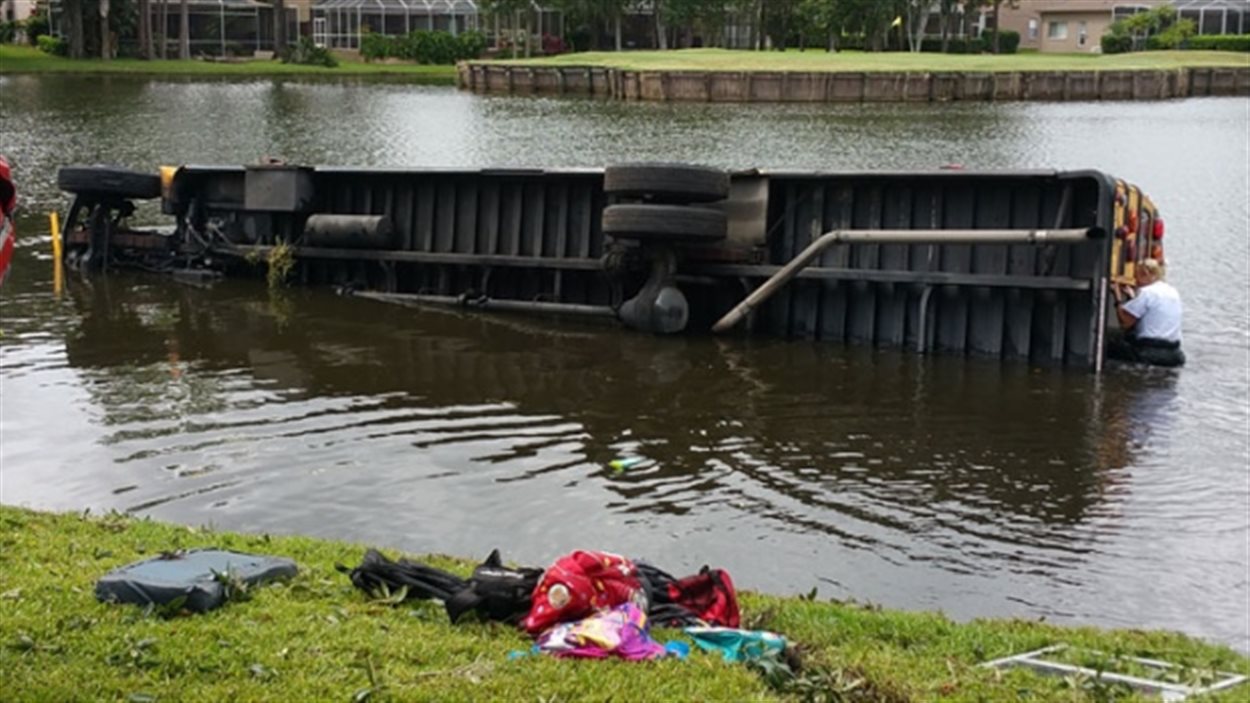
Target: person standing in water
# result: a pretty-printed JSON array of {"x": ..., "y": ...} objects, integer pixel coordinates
[{"x": 1151, "y": 320}]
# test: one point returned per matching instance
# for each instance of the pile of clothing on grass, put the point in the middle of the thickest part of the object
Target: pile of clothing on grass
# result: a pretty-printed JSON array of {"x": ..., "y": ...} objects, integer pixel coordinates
[{"x": 587, "y": 604}]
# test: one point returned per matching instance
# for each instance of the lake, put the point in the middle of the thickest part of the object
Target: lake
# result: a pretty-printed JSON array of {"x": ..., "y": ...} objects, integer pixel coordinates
[{"x": 977, "y": 488}]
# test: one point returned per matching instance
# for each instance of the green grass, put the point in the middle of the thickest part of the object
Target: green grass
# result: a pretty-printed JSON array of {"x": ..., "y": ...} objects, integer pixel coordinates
[
  {"x": 316, "y": 638},
  {"x": 24, "y": 59},
  {"x": 818, "y": 60}
]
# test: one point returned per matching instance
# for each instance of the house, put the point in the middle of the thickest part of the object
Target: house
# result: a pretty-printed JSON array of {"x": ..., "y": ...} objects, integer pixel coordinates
[
  {"x": 1066, "y": 25},
  {"x": 16, "y": 10},
  {"x": 1075, "y": 26}
]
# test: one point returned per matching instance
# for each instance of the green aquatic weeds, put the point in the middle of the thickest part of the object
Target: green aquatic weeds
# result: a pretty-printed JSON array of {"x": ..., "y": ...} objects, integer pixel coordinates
[
  {"x": 281, "y": 261},
  {"x": 318, "y": 638}
]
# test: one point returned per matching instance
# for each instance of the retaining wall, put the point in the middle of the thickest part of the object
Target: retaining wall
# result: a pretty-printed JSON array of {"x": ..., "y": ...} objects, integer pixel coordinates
[{"x": 885, "y": 86}]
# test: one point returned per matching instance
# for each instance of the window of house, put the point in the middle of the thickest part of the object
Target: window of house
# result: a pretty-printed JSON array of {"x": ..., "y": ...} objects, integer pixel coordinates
[
  {"x": 1033, "y": 29},
  {"x": 1057, "y": 30},
  {"x": 1082, "y": 33},
  {"x": 319, "y": 31}
]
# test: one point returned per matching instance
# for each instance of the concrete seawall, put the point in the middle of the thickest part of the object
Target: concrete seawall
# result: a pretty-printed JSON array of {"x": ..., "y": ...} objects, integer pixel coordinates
[{"x": 850, "y": 87}]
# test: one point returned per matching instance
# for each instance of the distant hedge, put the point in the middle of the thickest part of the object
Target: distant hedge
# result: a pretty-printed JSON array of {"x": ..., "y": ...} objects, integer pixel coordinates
[
  {"x": 434, "y": 48},
  {"x": 956, "y": 46},
  {"x": 305, "y": 52},
  {"x": 1008, "y": 41},
  {"x": 55, "y": 46},
  {"x": 1122, "y": 43},
  {"x": 1219, "y": 42},
  {"x": 1116, "y": 43}
]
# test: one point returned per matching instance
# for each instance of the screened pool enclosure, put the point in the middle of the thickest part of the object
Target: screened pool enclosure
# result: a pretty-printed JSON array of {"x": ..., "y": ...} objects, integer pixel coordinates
[
  {"x": 1216, "y": 16},
  {"x": 215, "y": 27},
  {"x": 339, "y": 24}
]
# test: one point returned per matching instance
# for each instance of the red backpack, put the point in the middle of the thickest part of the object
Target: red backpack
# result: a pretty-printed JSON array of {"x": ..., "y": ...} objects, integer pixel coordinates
[
  {"x": 579, "y": 584},
  {"x": 706, "y": 597}
]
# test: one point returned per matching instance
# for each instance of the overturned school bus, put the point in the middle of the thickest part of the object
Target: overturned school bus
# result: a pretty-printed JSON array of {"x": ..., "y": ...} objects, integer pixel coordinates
[{"x": 1013, "y": 265}]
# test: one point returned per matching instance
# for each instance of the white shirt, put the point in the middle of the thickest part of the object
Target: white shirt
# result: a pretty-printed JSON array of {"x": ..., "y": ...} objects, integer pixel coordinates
[{"x": 1157, "y": 308}]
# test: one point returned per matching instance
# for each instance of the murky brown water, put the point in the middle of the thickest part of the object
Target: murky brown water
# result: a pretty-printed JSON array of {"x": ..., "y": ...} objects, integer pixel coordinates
[{"x": 976, "y": 488}]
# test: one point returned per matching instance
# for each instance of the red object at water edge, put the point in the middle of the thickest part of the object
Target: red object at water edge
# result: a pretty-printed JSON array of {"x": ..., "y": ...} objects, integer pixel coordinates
[
  {"x": 8, "y": 230},
  {"x": 577, "y": 585}
]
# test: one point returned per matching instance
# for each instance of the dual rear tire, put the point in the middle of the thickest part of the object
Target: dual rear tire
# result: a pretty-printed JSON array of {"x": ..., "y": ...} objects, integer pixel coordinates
[{"x": 671, "y": 198}]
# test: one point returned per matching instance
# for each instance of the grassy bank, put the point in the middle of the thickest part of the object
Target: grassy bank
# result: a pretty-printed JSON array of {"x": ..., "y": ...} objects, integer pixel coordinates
[
  {"x": 316, "y": 638},
  {"x": 816, "y": 60},
  {"x": 24, "y": 59}
]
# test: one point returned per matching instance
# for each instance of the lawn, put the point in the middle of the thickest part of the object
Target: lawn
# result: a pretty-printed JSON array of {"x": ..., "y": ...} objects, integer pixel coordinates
[
  {"x": 316, "y": 638},
  {"x": 24, "y": 59},
  {"x": 818, "y": 60}
]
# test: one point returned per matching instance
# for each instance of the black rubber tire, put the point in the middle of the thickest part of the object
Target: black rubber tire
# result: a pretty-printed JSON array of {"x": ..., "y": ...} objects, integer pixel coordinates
[
  {"x": 665, "y": 223},
  {"x": 109, "y": 180},
  {"x": 667, "y": 183}
]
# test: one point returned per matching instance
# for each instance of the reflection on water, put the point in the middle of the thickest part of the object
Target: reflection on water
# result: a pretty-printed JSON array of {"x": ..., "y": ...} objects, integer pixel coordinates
[{"x": 977, "y": 488}]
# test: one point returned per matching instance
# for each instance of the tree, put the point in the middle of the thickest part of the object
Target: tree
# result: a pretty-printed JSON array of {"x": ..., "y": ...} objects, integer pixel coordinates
[
  {"x": 73, "y": 24},
  {"x": 184, "y": 30},
  {"x": 690, "y": 16},
  {"x": 870, "y": 18},
  {"x": 164, "y": 28},
  {"x": 661, "y": 32},
  {"x": 998, "y": 6},
  {"x": 916, "y": 20},
  {"x": 279, "y": 25},
  {"x": 779, "y": 21},
  {"x": 816, "y": 18},
  {"x": 106, "y": 49},
  {"x": 145, "y": 29},
  {"x": 1160, "y": 20},
  {"x": 946, "y": 10},
  {"x": 596, "y": 18},
  {"x": 613, "y": 11}
]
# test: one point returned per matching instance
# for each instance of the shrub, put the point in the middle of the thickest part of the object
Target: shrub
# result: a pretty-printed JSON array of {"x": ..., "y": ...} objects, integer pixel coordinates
[
  {"x": 553, "y": 45},
  {"x": 1008, "y": 41},
  {"x": 472, "y": 44},
  {"x": 423, "y": 47},
  {"x": 438, "y": 48},
  {"x": 1174, "y": 36},
  {"x": 579, "y": 39},
  {"x": 49, "y": 44},
  {"x": 1116, "y": 43},
  {"x": 37, "y": 26},
  {"x": 852, "y": 42},
  {"x": 9, "y": 31},
  {"x": 956, "y": 46},
  {"x": 1116, "y": 40},
  {"x": 1219, "y": 42},
  {"x": 374, "y": 46},
  {"x": 305, "y": 52}
]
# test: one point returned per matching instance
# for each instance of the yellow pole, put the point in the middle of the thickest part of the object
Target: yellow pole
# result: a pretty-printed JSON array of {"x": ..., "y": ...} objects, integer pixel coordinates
[{"x": 57, "y": 273}]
